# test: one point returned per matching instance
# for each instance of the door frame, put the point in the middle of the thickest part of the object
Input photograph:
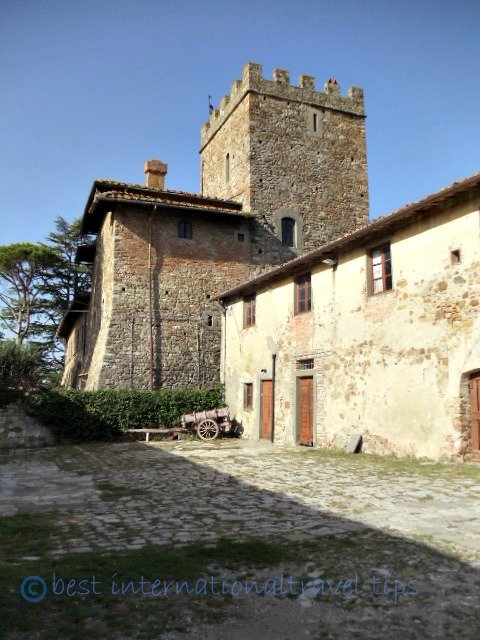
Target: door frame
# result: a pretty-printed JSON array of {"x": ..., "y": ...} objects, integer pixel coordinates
[
  {"x": 262, "y": 378},
  {"x": 475, "y": 375},
  {"x": 304, "y": 373}
]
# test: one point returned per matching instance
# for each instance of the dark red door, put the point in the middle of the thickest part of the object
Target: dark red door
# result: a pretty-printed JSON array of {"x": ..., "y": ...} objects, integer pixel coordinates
[
  {"x": 305, "y": 414},
  {"x": 474, "y": 387},
  {"x": 266, "y": 409}
]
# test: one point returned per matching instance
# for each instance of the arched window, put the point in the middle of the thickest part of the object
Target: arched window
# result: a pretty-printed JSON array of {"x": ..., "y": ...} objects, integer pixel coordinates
[
  {"x": 185, "y": 229},
  {"x": 227, "y": 168},
  {"x": 288, "y": 232}
]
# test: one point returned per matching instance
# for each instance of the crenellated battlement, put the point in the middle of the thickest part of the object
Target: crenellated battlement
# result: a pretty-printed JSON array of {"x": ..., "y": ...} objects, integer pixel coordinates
[{"x": 280, "y": 87}]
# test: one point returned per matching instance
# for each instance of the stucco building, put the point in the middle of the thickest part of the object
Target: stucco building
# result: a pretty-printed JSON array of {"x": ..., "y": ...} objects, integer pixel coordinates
[
  {"x": 375, "y": 334},
  {"x": 283, "y": 169}
]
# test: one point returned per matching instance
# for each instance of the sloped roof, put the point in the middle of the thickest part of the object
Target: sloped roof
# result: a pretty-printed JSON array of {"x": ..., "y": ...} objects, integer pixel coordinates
[
  {"x": 379, "y": 227},
  {"x": 78, "y": 306},
  {"x": 105, "y": 193}
]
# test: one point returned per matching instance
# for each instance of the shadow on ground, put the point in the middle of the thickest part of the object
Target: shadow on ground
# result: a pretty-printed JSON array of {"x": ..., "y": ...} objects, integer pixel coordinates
[{"x": 130, "y": 514}]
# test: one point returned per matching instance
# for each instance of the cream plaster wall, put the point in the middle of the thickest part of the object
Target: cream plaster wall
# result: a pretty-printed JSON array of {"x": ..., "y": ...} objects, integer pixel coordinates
[{"x": 388, "y": 366}]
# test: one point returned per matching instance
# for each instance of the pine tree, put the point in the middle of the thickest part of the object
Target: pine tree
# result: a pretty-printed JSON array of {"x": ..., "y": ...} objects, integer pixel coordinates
[
  {"x": 23, "y": 269},
  {"x": 65, "y": 280},
  {"x": 38, "y": 282}
]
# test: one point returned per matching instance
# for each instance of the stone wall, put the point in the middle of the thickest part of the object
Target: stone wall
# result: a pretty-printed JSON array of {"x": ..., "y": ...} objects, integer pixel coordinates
[
  {"x": 185, "y": 274},
  {"x": 84, "y": 355},
  {"x": 393, "y": 367},
  {"x": 18, "y": 430},
  {"x": 110, "y": 346},
  {"x": 74, "y": 352},
  {"x": 281, "y": 163}
]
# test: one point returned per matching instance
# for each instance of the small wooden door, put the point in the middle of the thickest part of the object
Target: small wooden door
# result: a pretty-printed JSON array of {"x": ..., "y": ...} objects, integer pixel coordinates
[
  {"x": 266, "y": 410},
  {"x": 305, "y": 411},
  {"x": 474, "y": 387}
]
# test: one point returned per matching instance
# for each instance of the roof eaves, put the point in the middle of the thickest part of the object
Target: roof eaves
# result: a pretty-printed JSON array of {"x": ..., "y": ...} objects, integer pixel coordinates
[
  {"x": 108, "y": 189},
  {"x": 399, "y": 217},
  {"x": 164, "y": 204},
  {"x": 79, "y": 305}
]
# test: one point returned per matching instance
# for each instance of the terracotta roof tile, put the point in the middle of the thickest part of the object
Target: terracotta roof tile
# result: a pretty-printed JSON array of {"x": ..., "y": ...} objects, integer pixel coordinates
[
  {"x": 168, "y": 198},
  {"x": 399, "y": 217},
  {"x": 110, "y": 190}
]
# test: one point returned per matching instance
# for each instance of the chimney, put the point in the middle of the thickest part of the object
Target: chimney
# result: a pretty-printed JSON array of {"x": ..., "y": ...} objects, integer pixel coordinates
[{"x": 156, "y": 170}]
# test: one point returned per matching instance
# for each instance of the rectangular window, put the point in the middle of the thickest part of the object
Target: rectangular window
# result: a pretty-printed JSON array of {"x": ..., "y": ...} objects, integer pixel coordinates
[
  {"x": 248, "y": 395},
  {"x": 455, "y": 256},
  {"x": 306, "y": 363},
  {"x": 380, "y": 269},
  {"x": 249, "y": 311},
  {"x": 303, "y": 294}
]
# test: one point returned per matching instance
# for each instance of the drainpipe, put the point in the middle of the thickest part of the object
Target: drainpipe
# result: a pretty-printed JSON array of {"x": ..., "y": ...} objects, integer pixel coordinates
[
  {"x": 274, "y": 361},
  {"x": 224, "y": 313},
  {"x": 132, "y": 348},
  {"x": 199, "y": 351},
  {"x": 150, "y": 300}
]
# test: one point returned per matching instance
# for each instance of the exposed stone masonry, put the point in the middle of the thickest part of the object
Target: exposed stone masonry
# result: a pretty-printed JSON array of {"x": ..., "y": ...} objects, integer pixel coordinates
[
  {"x": 19, "y": 430},
  {"x": 290, "y": 151},
  {"x": 185, "y": 275}
]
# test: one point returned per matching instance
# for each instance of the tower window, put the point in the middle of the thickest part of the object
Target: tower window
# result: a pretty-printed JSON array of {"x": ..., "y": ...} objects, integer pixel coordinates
[
  {"x": 227, "y": 168},
  {"x": 185, "y": 229},
  {"x": 288, "y": 232},
  {"x": 314, "y": 121}
]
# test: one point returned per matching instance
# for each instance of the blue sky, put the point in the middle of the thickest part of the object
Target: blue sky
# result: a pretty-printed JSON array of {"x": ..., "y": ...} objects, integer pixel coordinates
[{"x": 91, "y": 89}]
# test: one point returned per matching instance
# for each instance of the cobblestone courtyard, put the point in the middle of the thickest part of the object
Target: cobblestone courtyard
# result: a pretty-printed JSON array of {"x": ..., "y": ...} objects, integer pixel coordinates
[{"x": 122, "y": 496}]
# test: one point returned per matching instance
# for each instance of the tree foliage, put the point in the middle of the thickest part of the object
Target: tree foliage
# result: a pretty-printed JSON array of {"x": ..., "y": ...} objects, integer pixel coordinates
[
  {"x": 23, "y": 269},
  {"x": 38, "y": 282},
  {"x": 65, "y": 280},
  {"x": 19, "y": 366},
  {"x": 67, "y": 277}
]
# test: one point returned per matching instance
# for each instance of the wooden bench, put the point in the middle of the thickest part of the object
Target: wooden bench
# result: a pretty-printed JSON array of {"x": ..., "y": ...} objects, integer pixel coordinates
[{"x": 147, "y": 432}]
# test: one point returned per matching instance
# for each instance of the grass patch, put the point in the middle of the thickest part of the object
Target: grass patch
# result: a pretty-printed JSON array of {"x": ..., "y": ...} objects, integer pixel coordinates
[
  {"x": 25, "y": 535},
  {"x": 112, "y": 604},
  {"x": 391, "y": 466},
  {"x": 99, "y": 613}
]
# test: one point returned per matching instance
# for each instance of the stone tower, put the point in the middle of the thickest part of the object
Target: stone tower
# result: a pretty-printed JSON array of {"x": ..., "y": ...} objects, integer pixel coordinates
[{"x": 294, "y": 156}]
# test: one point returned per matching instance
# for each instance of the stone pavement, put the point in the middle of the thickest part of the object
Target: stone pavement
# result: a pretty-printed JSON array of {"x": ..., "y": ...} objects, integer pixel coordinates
[{"x": 116, "y": 496}]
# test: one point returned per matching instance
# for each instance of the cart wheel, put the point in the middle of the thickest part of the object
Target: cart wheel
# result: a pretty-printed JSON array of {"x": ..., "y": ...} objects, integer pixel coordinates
[{"x": 208, "y": 430}]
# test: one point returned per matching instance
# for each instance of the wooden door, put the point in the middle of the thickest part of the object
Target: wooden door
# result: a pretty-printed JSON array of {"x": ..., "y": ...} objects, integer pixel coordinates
[
  {"x": 305, "y": 412},
  {"x": 474, "y": 387},
  {"x": 266, "y": 410}
]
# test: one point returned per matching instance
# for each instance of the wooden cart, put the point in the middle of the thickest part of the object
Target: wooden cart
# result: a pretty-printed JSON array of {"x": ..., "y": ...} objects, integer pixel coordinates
[{"x": 208, "y": 424}]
